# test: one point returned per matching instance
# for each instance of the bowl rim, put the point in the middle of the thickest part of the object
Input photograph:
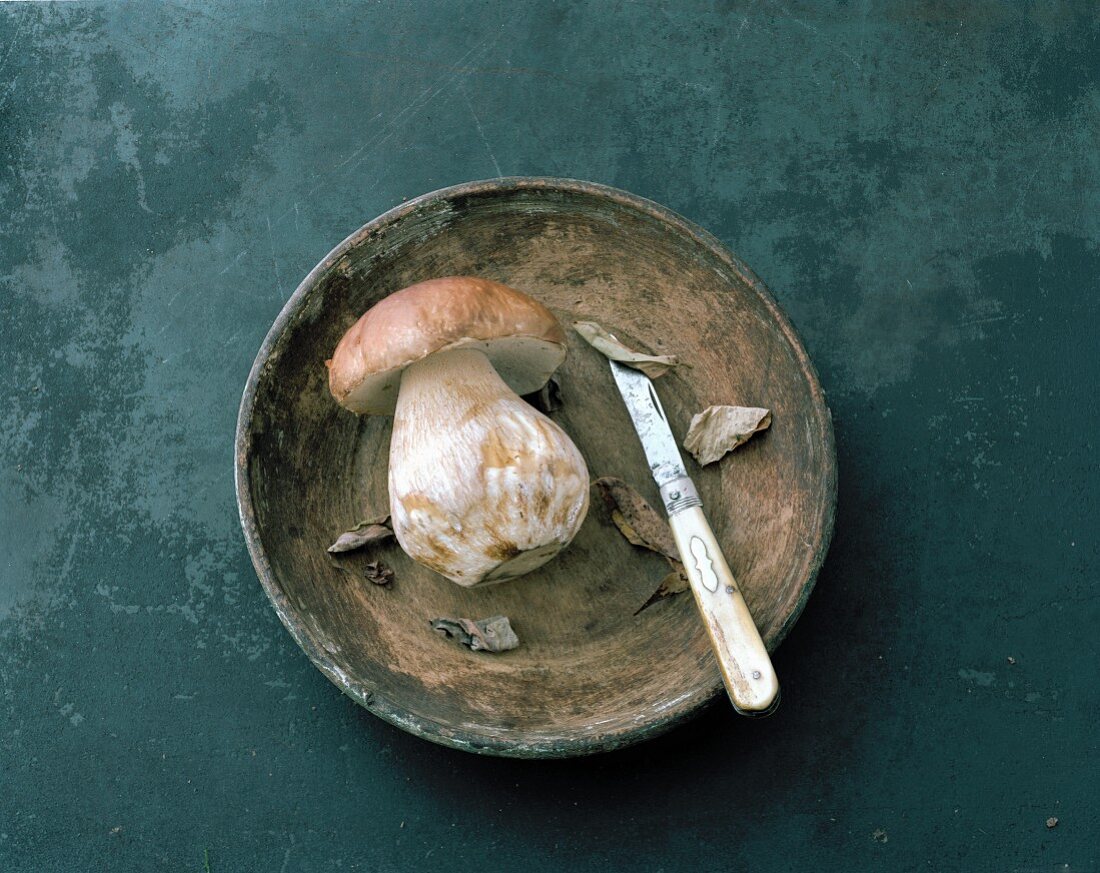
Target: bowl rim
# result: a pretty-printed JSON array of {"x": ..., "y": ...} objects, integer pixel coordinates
[{"x": 425, "y": 727}]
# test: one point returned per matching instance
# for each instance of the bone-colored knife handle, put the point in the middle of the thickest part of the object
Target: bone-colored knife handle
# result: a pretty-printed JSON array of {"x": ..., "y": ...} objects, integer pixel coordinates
[{"x": 746, "y": 668}]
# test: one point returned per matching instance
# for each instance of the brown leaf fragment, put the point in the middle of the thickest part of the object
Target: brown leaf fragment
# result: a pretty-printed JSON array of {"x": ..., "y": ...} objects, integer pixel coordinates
[
  {"x": 635, "y": 518},
  {"x": 547, "y": 399},
  {"x": 492, "y": 635},
  {"x": 626, "y": 530},
  {"x": 675, "y": 582},
  {"x": 652, "y": 365},
  {"x": 363, "y": 534},
  {"x": 720, "y": 429},
  {"x": 641, "y": 525},
  {"x": 378, "y": 573}
]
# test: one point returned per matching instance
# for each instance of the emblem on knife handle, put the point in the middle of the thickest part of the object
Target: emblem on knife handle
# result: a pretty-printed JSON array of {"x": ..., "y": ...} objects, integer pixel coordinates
[{"x": 703, "y": 564}]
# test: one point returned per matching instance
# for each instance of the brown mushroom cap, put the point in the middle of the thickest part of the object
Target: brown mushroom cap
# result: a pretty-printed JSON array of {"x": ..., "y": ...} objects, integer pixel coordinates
[{"x": 519, "y": 335}]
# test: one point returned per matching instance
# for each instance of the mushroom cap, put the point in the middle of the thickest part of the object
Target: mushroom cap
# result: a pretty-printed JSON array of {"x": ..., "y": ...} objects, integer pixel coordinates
[{"x": 520, "y": 336}]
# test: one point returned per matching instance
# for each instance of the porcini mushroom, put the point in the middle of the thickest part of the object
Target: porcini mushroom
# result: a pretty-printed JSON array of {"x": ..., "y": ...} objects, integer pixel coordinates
[{"x": 483, "y": 487}]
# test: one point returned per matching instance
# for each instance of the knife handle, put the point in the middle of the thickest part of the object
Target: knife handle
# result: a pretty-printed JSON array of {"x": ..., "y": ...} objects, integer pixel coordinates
[{"x": 742, "y": 658}]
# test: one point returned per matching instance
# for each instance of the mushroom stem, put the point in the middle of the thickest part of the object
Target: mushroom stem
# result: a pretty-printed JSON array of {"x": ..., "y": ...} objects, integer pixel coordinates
[{"x": 483, "y": 487}]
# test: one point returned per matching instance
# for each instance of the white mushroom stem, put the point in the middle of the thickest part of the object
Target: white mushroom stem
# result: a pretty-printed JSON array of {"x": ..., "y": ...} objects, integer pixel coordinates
[{"x": 483, "y": 487}]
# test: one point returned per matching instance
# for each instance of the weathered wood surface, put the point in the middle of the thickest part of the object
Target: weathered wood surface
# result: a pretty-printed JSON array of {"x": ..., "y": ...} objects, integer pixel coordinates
[{"x": 590, "y": 674}]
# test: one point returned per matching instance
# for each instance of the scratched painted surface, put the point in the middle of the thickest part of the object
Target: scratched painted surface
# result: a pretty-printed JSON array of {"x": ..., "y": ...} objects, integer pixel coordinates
[{"x": 918, "y": 187}]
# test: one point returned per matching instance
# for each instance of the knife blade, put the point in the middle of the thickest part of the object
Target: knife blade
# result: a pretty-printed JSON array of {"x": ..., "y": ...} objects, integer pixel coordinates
[{"x": 743, "y": 661}]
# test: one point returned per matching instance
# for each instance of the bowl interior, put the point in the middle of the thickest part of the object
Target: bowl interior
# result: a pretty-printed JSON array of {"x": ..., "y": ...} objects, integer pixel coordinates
[{"x": 591, "y": 671}]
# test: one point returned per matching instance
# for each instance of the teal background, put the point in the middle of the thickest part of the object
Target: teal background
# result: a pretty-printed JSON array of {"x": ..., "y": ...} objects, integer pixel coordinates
[{"x": 916, "y": 182}]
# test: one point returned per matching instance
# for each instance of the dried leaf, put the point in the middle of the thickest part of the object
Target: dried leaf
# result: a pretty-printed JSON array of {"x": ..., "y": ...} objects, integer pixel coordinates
[
  {"x": 720, "y": 429},
  {"x": 626, "y": 530},
  {"x": 378, "y": 573},
  {"x": 652, "y": 365},
  {"x": 675, "y": 582},
  {"x": 356, "y": 539},
  {"x": 635, "y": 518},
  {"x": 363, "y": 534},
  {"x": 643, "y": 526},
  {"x": 548, "y": 399},
  {"x": 493, "y": 634}
]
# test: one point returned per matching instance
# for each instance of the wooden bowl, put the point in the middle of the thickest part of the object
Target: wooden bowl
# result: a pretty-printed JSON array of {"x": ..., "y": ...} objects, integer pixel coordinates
[{"x": 590, "y": 674}]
